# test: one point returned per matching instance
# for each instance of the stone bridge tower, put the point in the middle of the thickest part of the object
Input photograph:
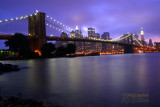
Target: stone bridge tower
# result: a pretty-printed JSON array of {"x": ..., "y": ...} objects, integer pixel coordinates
[{"x": 37, "y": 28}]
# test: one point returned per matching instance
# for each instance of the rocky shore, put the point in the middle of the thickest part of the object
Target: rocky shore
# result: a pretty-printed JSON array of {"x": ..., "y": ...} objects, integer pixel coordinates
[
  {"x": 8, "y": 67},
  {"x": 20, "y": 102}
]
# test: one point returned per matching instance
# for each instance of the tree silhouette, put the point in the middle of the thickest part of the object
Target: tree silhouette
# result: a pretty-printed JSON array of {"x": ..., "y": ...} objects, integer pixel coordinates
[
  {"x": 71, "y": 48},
  {"x": 19, "y": 43},
  {"x": 61, "y": 51},
  {"x": 47, "y": 49}
]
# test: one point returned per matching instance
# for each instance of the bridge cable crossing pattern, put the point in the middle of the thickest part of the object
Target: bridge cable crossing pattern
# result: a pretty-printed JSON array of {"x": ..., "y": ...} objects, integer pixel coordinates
[{"x": 61, "y": 24}]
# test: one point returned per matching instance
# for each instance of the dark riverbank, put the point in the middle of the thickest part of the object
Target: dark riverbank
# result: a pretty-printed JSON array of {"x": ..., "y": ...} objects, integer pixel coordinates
[
  {"x": 20, "y": 102},
  {"x": 8, "y": 68},
  {"x": 41, "y": 57}
]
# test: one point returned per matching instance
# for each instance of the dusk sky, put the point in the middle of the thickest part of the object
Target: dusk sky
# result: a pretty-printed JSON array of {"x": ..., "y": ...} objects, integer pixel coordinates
[{"x": 115, "y": 16}]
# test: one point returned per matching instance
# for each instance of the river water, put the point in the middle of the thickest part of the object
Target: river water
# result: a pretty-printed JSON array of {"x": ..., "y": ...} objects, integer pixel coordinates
[{"x": 92, "y": 81}]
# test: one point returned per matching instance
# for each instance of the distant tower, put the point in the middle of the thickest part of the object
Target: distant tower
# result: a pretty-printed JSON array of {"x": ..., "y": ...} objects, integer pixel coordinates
[
  {"x": 142, "y": 34},
  {"x": 76, "y": 27},
  {"x": 150, "y": 43}
]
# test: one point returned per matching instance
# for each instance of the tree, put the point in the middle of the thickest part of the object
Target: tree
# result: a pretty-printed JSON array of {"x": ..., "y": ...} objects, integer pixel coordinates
[
  {"x": 19, "y": 43},
  {"x": 47, "y": 49},
  {"x": 71, "y": 48},
  {"x": 61, "y": 51}
]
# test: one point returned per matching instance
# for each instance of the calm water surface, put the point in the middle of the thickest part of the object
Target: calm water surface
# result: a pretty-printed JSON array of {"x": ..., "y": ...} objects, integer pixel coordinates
[{"x": 94, "y": 81}]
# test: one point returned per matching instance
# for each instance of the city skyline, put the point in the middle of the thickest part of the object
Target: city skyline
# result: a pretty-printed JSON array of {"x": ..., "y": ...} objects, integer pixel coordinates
[{"x": 116, "y": 17}]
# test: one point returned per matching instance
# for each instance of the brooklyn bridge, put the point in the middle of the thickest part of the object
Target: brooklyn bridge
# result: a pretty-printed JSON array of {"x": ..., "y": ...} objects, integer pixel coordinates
[{"x": 38, "y": 22}]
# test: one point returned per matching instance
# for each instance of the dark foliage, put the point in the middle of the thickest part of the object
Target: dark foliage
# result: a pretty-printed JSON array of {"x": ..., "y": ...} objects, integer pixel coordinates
[
  {"x": 71, "y": 48},
  {"x": 61, "y": 51},
  {"x": 19, "y": 43},
  {"x": 47, "y": 49}
]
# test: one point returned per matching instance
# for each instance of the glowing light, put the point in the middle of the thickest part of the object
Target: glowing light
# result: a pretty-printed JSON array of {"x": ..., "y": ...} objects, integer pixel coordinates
[
  {"x": 36, "y": 11},
  {"x": 31, "y": 15},
  {"x": 76, "y": 27},
  {"x": 142, "y": 32},
  {"x": 11, "y": 18},
  {"x": 69, "y": 29},
  {"x": 85, "y": 28},
  {"x": 6, "y": 20},
  {"x": 39, "y": 52},
  {"x": 0, "y": 21}
]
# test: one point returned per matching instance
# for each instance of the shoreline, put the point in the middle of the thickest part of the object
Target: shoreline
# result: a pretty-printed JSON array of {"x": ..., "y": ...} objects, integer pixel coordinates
[{"x": 70, "y": 56}]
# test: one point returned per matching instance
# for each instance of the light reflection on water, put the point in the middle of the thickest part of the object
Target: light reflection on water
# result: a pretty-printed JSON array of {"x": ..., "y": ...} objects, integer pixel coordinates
[{"x": 95, "y": 81}]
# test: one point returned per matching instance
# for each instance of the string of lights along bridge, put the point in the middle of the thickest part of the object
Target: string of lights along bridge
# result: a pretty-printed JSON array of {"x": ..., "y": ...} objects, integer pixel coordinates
[
  {"x": 68, "y": 29},
  {"x": 59, "y": 26}
]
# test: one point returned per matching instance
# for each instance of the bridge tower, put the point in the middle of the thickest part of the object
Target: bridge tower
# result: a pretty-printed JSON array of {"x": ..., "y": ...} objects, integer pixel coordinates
[
  {"x": 129, "y": 47},
  {"x": 37, "y": 28}
]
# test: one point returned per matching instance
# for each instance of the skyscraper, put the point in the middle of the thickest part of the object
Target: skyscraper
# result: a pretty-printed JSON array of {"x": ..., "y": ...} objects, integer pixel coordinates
[
  {"x": 91, "y": 32},
  {"x": 150, "y": 43},
  {"x": 76, "y": 33},
  {"x": 105, "y": 36},
  {"x": 142, "y": 34},
  {"x": 97, "y": 35}
]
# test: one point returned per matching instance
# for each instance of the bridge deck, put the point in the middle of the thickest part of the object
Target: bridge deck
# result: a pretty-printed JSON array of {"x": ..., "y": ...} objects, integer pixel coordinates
[{"x": 5, "y": 37}]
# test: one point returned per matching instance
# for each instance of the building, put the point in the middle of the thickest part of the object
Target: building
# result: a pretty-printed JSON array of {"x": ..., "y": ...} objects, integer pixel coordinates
[
  {"x": 64, "y": 35},
  {"x": 157, "y": 45},
  {"x": 76, "y": 33},
  {"x": 93, "y": 47},
  {"x": 97, "y": 36},
  {"x": 142, "y": 35},
  {"x": 150, "y": 43},
  {"x": 91, "y": 32},
  {"x": 105, "y": 36},
  {"x": 106, "y": 47}
]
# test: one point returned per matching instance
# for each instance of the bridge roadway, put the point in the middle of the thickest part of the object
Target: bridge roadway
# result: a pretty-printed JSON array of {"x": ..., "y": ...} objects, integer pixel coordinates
[{"x": 49, "y": 38}]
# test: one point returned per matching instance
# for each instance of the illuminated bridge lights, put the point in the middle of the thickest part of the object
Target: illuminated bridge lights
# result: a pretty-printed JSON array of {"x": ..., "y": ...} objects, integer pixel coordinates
[
  {"x": 59, "y": 23},
  {"x": 55, "y": 28}
]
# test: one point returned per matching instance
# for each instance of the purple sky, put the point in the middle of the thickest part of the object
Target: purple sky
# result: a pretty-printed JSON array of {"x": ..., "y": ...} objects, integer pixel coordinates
[{"x": 115, "y": 16}]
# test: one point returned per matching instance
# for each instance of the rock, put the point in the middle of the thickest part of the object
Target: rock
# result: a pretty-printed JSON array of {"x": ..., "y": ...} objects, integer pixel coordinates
[{"x": 8, "y": 67}]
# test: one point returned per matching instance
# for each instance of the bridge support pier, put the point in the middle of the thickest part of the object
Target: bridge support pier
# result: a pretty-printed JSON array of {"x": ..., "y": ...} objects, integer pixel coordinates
[
  {"x": 37, "y": 28},
  {"x": 128, "y": 48}
]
